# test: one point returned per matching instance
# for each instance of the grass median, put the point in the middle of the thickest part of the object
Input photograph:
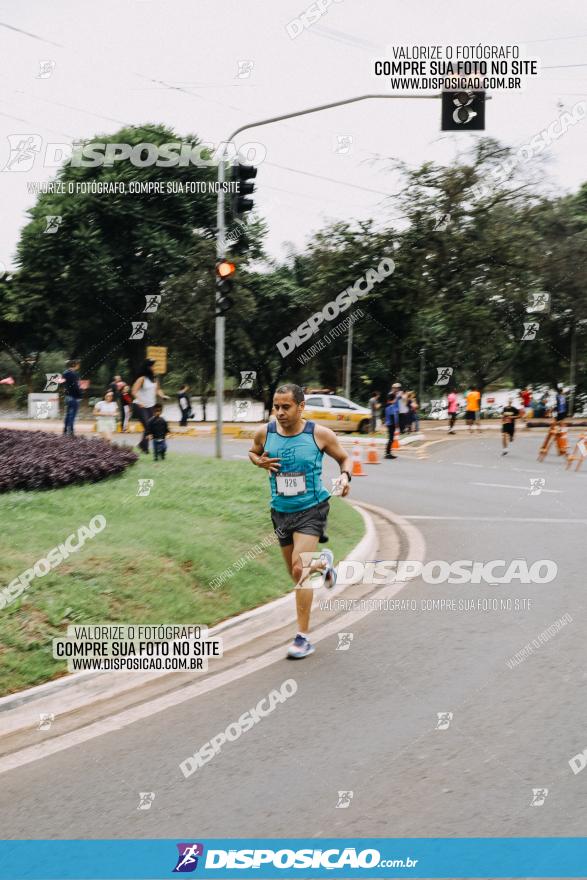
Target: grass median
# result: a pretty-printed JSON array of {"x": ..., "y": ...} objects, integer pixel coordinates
[{"x": 155, "y": 561}]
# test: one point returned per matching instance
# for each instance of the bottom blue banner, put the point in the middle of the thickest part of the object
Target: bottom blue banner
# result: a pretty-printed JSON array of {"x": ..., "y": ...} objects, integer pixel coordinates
[{"x": 293, "y": 857}]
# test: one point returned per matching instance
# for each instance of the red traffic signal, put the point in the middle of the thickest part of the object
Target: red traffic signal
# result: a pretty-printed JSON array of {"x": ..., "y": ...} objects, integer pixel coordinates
[{"x": 224, "y": 269}]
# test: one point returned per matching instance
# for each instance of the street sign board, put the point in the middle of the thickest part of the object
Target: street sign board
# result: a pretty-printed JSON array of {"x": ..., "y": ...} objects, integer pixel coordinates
[{"x": 158, "y": 353}]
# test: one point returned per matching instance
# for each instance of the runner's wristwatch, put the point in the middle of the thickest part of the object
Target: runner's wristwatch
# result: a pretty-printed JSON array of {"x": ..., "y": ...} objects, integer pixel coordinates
[{"x": 348, "y": 475}]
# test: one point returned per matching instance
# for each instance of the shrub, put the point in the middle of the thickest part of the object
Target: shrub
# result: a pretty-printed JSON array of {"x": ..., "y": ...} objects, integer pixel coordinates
[{"x": 36, "y": 460}]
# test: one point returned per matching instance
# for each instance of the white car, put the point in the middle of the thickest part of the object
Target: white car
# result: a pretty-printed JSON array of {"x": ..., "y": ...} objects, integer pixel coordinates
[{"x": 337, "y": 413}]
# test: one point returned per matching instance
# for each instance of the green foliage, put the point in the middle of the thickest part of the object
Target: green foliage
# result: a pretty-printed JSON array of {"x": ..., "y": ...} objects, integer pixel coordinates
[{"x": 459, "y": 290}]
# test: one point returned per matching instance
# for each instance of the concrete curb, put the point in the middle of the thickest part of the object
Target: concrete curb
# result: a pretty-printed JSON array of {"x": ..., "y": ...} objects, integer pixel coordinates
[
  {"x": 20, "y": 712},
  {"x": 412, "y": 545}
]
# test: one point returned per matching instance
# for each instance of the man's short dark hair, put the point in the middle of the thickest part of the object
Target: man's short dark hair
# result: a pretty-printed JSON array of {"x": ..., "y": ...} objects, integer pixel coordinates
[
  {"x": 73, "y": 362},
  {"x": 157, "y": 408},
  {"x": 296, "y": 391}
]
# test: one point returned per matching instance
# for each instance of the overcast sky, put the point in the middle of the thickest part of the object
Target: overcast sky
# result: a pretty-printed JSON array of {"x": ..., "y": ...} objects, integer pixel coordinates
[{"x": 108, "y": 55}]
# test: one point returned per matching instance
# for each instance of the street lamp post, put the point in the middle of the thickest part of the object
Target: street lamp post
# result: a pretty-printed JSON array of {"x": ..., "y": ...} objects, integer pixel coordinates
[
  {"x": 221, "y": 245},
  {"x": 349, "y": 360},
  {"x": 421, "y": 383}
]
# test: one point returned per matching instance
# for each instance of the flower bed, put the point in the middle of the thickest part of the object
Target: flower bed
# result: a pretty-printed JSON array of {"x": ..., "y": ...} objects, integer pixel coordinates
[{"x": 36, "y": 460}]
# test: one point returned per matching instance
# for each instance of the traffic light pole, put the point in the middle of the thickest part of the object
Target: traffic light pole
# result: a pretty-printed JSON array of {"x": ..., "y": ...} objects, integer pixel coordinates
[
  {"x": 220, "y": 319},
  {"x": 221, "y": 235}
]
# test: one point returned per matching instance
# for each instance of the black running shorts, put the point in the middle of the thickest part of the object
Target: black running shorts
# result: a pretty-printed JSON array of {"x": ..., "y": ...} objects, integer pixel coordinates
[{"x": 311, "y": 521}]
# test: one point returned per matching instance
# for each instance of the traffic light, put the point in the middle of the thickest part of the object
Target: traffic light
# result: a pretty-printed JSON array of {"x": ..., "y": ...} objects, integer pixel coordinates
[
  {"x": 242, "y": 175},
  {"x": 224, "y": 272},
  {"x": 463, "y": 111}
]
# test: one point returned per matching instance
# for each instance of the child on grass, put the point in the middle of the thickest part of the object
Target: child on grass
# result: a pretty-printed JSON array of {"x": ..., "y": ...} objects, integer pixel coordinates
[{"x": 158, "y": 429}]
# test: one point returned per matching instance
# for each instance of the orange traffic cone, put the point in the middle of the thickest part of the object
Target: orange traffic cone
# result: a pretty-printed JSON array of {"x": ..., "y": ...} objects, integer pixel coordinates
[
  {"x": 395, "y": 444},
  {"x": 561, "y": 440},
  {"x": 372, "y": 457},
  {"x": 357, "y": 470}
]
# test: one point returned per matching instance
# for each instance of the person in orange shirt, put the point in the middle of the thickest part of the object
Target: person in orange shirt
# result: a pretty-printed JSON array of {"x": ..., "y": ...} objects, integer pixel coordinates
[{"x": 473, "y": 411}]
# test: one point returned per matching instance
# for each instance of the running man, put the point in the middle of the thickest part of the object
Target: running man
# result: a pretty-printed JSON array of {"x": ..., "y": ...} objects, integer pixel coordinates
[
  {"x": 473, "y": 411},
  {"x": 292, "y": 449},
  {"x": 508, "y": 425}
]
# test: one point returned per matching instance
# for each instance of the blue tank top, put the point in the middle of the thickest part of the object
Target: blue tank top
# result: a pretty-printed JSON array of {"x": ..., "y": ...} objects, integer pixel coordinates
[{"x": 298, "y": 484}]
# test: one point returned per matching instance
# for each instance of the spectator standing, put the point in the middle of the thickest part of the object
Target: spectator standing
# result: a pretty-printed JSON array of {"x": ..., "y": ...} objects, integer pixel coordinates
[
  {"x": 453, "y": 408},
  {"x": 403, "y": 410},
  {"x": 145, "y": 391},
  {"x": 374, "y": 406},
  {"x": 117, "y": 387},
  {"x": 73, "y": 395},
  {"x": 526, "y": 398},
  {"x": 561, "y": 405},
  {"x": 390, "y": 417},
  {"x": 126, "y": 398},
  {"x": 158, "y": 429},
  {"x": 185, "y": 405},
  {"x": 414, "y": 419},
  {"x": 106, "y": 410},
  {"x": 473, "y": 413},
  {"x": 541, "y": 409}
]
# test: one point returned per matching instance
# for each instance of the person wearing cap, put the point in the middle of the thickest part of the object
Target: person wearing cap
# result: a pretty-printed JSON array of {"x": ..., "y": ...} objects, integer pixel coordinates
[{"x": 145, "y": 391}]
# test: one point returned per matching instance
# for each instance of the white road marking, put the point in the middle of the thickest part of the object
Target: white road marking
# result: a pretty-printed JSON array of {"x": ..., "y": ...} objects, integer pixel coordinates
[
  {"x": 498, "y": 519},
  {"x": 528, "y": 470},
  {"x": 416, "y": 550},
  {"x": 508, "y": 486}
]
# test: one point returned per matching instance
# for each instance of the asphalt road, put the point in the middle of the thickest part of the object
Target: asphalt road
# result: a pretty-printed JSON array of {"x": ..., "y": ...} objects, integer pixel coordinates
[{"x": 365, "y": 720}]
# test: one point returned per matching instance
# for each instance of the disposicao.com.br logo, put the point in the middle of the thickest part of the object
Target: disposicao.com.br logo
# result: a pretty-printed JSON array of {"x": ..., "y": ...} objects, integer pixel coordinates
[
  {"x": 187, "y": 859},
  {"x": 318, "y": 859}
]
